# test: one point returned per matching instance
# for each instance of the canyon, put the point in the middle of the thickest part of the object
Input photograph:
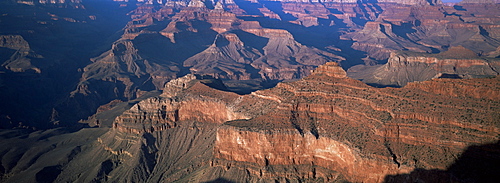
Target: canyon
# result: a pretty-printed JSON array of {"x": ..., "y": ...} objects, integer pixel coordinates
[
  {"x": 325, "y": 127},
  {"x": 274, "y": 41},
  {"x": 249, "y": 91},
  {"x": 259, "y": 43}
]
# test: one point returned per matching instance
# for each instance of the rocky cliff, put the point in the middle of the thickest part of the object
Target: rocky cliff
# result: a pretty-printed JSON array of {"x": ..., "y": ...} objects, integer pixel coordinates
[
  {"x": 326, "y": 127},
  {"x": 159, "y": 44},
  {"x": 402, "y": 68},
  {"x": 409, "y": 28}
]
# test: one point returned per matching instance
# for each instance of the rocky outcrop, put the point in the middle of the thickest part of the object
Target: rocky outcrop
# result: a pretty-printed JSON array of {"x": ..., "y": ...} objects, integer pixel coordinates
[
  {"x": 312, "y": 137},
  {"x": 20, "y": 56},
  {"x": 286, "y": 58},
  {"x": 405, "y": 67},
  {"x": 331, "y": 69},
  {"x": 160, "y": 113},
  {"x": 124, "y": 66}
]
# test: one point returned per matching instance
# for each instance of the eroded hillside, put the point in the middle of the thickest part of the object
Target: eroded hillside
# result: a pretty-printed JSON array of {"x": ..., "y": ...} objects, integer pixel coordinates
[{"x": 326, "y": 127}]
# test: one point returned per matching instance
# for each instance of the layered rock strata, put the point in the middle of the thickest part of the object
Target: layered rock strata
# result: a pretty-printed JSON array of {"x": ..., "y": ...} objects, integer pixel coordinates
[
  {"x": 427, "y": 29},
  {"x": 277, "y": 40},
  {"x": 325, "y": 127},
  {"x": 405, "y": 67}
]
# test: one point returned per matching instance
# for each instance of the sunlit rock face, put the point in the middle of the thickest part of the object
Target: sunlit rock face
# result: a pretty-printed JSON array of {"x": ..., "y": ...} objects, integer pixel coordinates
[
  {"x": 341, "y": 125},
  {"x": 323, "y": 126},
  {"x": 328, "y": 126}
]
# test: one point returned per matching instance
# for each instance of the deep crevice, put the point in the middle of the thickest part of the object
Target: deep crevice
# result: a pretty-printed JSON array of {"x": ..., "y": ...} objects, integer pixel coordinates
[{"x": 394, "y": 157}]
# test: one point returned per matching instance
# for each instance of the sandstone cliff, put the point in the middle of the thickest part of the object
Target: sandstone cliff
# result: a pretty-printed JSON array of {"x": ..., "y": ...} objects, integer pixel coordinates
[{"x": 326, "y": 127}]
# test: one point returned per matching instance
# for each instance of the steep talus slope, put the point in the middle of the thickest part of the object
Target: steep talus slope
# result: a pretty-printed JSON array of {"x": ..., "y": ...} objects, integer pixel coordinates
[{"x": 40, "y": 156}]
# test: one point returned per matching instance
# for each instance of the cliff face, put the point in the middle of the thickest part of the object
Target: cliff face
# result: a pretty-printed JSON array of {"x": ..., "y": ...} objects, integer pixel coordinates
[
  {"x": 176, "y": 106},
  {"x": 333, "y": 127},
  {"x": 351, "y": 132},
  {"x": 325, "y": 127}
]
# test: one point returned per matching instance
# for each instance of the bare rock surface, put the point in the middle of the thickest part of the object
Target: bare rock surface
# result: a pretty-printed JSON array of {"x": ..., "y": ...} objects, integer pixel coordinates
[
  {"x": 441, "y": 123},
  {"x": 405, "y": 67},
  {"x": 326, "y": 127}
]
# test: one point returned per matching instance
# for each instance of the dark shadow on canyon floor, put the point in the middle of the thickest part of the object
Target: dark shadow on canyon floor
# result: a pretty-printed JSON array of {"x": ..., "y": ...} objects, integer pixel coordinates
[
  {"x": 479, "y": 163},
  {"x": 220, "y": 180}
]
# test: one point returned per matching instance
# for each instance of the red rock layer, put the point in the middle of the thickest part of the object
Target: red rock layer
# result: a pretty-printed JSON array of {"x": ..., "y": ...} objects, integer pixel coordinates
[{"x": 333, "y": 126}]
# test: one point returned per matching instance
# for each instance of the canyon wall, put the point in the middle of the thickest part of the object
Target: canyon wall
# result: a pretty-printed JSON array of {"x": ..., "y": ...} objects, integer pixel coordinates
[
  {"x": 325, "y": 127},
  {"x": 402, "y": 68}
]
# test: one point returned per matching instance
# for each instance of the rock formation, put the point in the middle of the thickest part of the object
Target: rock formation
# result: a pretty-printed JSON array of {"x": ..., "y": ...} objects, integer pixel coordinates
[
  {"x": 22, "y": 57},
  {"x": 322, "y": 126},
  {"x": 325, "y": 127},
  {"x": 277, "y": 40},
  {"x": 409, "y": 28},
  {"x": 405, "y": 67}
]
